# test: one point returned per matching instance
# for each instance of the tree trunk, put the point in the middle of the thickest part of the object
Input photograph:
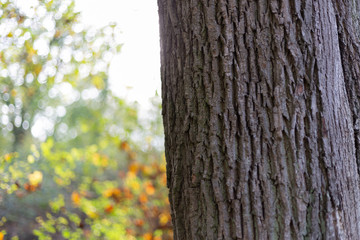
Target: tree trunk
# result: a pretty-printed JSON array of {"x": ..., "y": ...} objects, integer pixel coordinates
[{"x": 261, "y": 116}]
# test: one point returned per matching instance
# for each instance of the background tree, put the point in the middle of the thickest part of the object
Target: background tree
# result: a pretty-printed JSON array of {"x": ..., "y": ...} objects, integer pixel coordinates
[
  {"x": 76, "y": 162},
  {"x": 260, "y": 109},
  {"x": 49, "y": 61}
]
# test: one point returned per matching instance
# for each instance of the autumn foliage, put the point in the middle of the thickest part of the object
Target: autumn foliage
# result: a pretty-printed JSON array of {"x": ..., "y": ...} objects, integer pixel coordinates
[
  {"x": 76, "y": 162},
  {"x": 129, "y": 201}
]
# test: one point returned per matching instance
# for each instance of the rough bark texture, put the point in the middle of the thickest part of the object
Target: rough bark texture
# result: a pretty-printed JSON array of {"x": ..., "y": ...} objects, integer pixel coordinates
[{"x": 261, "y": 115}]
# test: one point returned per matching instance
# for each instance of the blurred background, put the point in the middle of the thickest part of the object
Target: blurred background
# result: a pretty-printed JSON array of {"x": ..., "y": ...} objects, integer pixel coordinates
[
  {"x": 81, "y": 143},
  {"x": 135, "y": 73}
]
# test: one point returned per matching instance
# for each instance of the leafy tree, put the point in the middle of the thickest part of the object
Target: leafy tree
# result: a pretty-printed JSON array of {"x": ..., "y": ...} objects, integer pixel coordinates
[{"x": 49, "y": 62}]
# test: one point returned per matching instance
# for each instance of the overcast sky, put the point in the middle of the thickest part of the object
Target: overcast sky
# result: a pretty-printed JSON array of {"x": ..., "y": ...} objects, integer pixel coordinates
[{"x": 135, "y": 73}]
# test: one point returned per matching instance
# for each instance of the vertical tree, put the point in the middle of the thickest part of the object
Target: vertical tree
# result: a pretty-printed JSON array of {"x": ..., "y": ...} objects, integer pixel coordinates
[{"x": 261, "y": 108}]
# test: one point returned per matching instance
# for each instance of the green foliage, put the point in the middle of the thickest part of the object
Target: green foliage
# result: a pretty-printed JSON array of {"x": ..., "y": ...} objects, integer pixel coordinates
[
  {"x": 49, "y": 62},
  {"x": 76, "y": 162}
]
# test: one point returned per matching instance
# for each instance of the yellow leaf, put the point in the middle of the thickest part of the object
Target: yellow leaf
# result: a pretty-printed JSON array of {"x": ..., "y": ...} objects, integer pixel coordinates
[
  {"x": 112, "y": 192},
  {"x": 162, "y": 167},
  {"x": 104, "y": 161},
  {"x": 1, "y": 235},
  {"x": 13, "y": 92},
  {"x": 130, "y": 175},
  {"x": 92, "y": 214},
  {"x": 8, "y": 157},
  {"x": 98, "y": 82},
  {"x": 134, "y": 185},
  {"x": 96, "y": 159},
  {"x": 164, "y": 219},
  {"x": 147, "y": 171},
  {"x": 35, "y": 178},
  {"x": 59, "y": 181},
  {"x": 37, "y": 69},
  {"x": 30, "y": 51},
  {"x": 163, "y": 179},
  {"x": 100, "y": 160},
  {"x": 31, "y": 159}
]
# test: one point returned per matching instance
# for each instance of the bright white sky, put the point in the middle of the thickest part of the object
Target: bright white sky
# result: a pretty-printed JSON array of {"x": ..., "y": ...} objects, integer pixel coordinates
[{"x": 135, "y": 73}]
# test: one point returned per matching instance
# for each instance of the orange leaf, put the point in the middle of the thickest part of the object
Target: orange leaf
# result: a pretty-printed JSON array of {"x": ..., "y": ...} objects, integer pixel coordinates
[
  {"x": 31, "y": 188},
  {"x": 104, "y": 161},
  {"x": 132, "y": 155},
  {"x": 109, "y": 208},
  {"x": 134, "y": 167},
  {"x": 125, "y": 146},
  {"x": 147, "y": 236},
  {"x": 163, "y": 180},
  {"x": 76, "y": 198},
  {"x": 139, "y": 222},
  {"x": 127, "y": 193},
  {"x": 113, "y": 193},
  {"x": 143, "y": 198},
  {"x": 150, "y": 189}
]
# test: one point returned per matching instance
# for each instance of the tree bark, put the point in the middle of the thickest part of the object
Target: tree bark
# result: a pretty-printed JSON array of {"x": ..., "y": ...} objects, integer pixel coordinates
[{"x": 261, "y": 103}]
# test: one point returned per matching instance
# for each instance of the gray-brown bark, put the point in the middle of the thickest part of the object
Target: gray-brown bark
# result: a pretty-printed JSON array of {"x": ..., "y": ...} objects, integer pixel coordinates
[{"x": 260, "y": 107}]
